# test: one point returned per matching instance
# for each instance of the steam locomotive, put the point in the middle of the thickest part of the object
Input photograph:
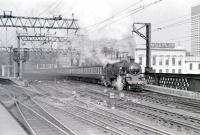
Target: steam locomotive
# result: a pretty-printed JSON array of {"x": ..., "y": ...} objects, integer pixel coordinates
[{"x": 123, "y": 75}]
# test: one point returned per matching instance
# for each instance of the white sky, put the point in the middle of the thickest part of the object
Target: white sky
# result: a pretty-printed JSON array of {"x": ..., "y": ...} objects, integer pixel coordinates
[{"x": 93, "y": 11}]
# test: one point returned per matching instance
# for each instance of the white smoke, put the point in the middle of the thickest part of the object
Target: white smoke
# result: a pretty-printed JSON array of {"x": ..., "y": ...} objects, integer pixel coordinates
[
  {"x": 92, "y": 49},
  {"x": 103, "y": 59},
  {"x": 94, "y": 53},
  {"x": 119, "y": 84}
]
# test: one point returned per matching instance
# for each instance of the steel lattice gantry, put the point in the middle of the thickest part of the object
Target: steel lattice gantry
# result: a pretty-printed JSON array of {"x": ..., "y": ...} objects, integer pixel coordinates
[
  {"x": 38, "y": 22},
  {"x": 42, "y": 38},
  {"x": 49, "y": 50},
  {"x": 8, "y": 20}
]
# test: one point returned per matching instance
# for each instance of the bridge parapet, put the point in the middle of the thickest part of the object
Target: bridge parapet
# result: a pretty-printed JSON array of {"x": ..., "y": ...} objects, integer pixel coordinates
[{"x": 189, "y": 82}]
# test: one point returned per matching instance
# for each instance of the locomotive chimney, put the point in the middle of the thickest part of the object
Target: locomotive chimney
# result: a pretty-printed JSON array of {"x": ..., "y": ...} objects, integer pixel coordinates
[{"x": 130, "y": 59}]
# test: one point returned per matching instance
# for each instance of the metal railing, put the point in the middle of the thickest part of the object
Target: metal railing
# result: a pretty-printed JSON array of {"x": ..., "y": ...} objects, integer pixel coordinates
[{"x": 189, "y": 82}]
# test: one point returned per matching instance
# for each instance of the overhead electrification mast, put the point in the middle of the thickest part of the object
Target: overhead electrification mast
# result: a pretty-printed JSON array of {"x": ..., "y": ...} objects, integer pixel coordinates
[{"x": 137, "y": 27}]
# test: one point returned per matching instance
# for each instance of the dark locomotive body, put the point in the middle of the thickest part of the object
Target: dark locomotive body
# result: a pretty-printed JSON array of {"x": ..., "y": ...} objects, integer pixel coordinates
[{"x": 128, "y": 72}]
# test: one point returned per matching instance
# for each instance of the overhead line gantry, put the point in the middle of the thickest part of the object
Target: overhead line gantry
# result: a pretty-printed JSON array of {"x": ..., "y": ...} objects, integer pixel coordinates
[
  {"x": 58, "y": 22},
  {"x": 8, "y": 20},
  {"x": 44, "y": 38}
]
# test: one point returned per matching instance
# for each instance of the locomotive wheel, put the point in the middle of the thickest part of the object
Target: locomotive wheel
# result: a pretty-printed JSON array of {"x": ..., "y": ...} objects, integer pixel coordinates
[{"x": 125, "y": 87}]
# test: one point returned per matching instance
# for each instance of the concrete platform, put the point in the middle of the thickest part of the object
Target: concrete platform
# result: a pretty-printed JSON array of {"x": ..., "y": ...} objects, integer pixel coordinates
[
  {"x": 8, "y": 125},
  {"x": 174, "y": 92}
]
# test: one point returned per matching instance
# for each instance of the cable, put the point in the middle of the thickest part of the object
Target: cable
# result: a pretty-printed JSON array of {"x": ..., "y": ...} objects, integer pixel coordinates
[
  {"x": 117, "y": 14},
  {"x": 134, "y": 11},
  {"x": 171, "y": 25},
  {"x": 49, "y": 7},
  {"x": 172, "y": 19},
  {"x": 58, "y": 4},
  {"x": 187, "y": 20}
]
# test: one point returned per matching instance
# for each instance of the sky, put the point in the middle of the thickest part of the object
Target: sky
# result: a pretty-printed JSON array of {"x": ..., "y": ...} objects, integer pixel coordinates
[{"x": 91, "y": 13}]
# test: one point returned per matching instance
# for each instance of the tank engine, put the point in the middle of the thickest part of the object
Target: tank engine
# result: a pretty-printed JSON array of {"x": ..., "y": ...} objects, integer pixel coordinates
[{"x": 123, "y": 75}]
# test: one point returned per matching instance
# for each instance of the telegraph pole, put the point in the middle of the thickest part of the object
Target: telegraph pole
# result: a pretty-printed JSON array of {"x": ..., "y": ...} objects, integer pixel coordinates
[{"x": 147, "y": 38}]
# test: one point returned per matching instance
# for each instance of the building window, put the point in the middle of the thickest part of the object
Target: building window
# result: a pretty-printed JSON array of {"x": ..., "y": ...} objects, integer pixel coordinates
[
  {"x": 179, "y": 71},
  {"x": 167, "y": 70},
  {"x": 167, "y": 62},
  {"x": 160, "y": 70},
  {"x": 190, "y": 66},
  {"x": 199, "y": 66},
  {"x": 179, "y": 62},
  {"x": 154, "y": 60},
  {"x": 160, "y": 62},
  {"x": 140, "y": 60},
  {"x": 173, "y": 61},
  {"x": 173, "y": 70}
]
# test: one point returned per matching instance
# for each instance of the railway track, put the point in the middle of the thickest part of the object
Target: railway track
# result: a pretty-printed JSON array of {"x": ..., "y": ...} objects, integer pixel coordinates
[
  {"x": 162, "y": 99},
  {"x": 98, "y": 125},
  {"x": 39, "y": 124},
  {"x": 180, "y": 122},
  {"x": 177, "y": 121},
  {"x": 112, "y": 121},
  {"x": 168, "y": 119},
  {"x": 182, "y": 103},
  {"x": 37, "y": 120},
  {"x": 31, "y": 104}
]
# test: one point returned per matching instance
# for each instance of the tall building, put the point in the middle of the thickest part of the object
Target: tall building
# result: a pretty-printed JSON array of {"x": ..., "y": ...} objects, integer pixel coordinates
[{"x": 195, "y": 30}]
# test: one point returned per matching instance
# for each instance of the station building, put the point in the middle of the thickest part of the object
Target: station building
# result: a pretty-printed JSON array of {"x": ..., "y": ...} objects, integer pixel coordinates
[{"x": 167, "y": 58}]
